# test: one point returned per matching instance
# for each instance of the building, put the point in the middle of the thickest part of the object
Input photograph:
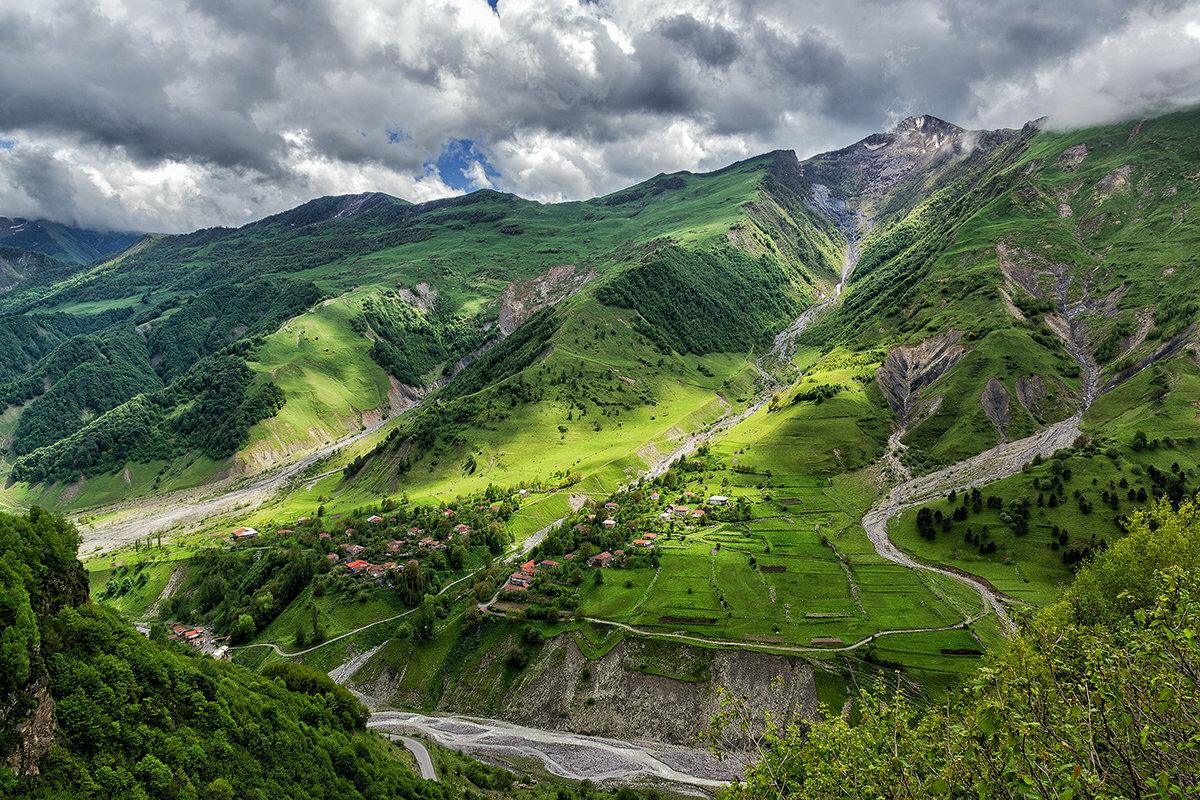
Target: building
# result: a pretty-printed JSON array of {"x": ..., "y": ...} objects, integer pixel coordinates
[
  {"x": 718, "y": 500},
  {"x": 243, "y": 534},
  {"x": 609, "y": 524},
  {"x": 358, "y": 566},
  {"x": 375, "y": 519},
  {"x": 601, "y": 559}
]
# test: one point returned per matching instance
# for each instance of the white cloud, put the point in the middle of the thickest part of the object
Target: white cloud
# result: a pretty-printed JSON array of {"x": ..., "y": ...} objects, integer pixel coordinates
[{"x": 217, "y": 113}]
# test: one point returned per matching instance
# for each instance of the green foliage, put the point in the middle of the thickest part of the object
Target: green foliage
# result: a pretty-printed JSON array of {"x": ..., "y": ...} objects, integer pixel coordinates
[
  {"x": 306, "y": 680},
  {"x": 411, "y": 343},
  {"x": 208, "y": 410},
  {"x": 706, "y": 301},
  {"x": 38, "y": 573}
]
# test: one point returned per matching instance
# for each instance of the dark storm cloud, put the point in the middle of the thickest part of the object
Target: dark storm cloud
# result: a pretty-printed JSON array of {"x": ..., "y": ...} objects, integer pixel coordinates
[
  {"x": 174, "y": 114},
  {"x": 711, "y": 45}
]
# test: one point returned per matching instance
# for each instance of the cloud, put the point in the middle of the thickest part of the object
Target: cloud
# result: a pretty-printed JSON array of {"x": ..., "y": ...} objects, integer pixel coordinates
[{"x": 221, "y": 111}]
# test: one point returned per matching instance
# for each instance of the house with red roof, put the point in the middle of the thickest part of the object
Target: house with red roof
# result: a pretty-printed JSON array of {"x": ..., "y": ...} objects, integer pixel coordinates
[
  {"x": 358, "y": 565},
  {"x": 600, "y": 559},
  {"x": 375, "y": 518}
]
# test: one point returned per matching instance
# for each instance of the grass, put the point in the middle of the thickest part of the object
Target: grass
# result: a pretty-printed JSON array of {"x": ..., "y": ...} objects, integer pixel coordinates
[{"x": 324, "y": 367}]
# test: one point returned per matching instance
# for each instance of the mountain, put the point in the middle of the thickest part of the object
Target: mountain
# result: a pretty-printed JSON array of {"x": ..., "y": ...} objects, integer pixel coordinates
[
  {"x": 846, "y": 413},
  {"x": 64, "y": 242}
]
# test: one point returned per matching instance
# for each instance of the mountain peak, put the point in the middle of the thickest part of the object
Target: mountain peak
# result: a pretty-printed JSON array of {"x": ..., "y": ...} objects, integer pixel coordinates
[{"x": 925, "y": 123}]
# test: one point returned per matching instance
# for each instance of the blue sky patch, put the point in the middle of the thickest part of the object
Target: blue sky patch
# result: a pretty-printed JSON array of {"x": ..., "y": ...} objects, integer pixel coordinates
[
  {"x": 7, "y": 144},
  {"x": 462, "y": 163}
]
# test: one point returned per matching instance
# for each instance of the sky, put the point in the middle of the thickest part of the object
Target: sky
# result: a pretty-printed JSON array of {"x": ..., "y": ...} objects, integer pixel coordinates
[{"x": 173, "y": 115}]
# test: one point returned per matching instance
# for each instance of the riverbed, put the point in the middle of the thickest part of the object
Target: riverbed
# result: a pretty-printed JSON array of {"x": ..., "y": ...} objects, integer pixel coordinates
[{"x": 568, "y": 755}]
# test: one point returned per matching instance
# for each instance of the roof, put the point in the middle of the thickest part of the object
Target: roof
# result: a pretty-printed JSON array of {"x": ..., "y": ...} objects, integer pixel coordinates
[
  {"x": 355, "y": 566},
  {"x": 375, "y": 519},
  {"x": 602, "y": 556}
]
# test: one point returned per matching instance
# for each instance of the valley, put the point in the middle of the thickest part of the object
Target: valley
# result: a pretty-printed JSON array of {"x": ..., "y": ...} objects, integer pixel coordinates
[{"x": 525, "y": 475}]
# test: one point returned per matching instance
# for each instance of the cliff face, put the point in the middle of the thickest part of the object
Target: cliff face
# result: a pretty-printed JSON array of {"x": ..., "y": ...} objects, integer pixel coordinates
[{"x": 628, "y": 693}]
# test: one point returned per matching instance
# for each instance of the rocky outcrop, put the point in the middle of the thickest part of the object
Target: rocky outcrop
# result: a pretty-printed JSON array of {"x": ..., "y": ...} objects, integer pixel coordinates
[
  {"x": 520, "y": 299},
  {"x": 1072, "y": 157},
  {"x": 1031, "y": 393},
  {"x": 995, "y": 402},
  {"x": 35, "y": 733},
  {"x": 909, "y": 369}
]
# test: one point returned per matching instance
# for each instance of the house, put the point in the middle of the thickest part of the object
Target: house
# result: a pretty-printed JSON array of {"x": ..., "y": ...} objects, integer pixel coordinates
[
  {"x": 416, "y": 531},
  {"x": 359, "y": 565},
  {"x": 698, "y": 513},
  {"x": 301, "y": 520},
  {"x": 449, "y": 512},
  {"x": 242, "y": 534},
  {"x": 332, "y": 558},
  {"x": 609, "y": 524},
  {"x": 494, "y": 508},
  {"x": 654, "y": 496},
  {"x": 689, "y": 494},
  {"x": 650, "y": 536},
  {"x": 682, "y": 511},
  {"x": 527, "y": 567},
  {"x": 374, "y": 519},
  {"x": 547, "y": 564},
  {"x": 221, "y": 652},
  {"x": 282, "y": 531},
  {"x": 427, "y": 542},
  {"x": 462, "y": 528},
  {"x": 524, "y": 493},
  {"x": 601, "y": 559},
  {"x": 718, "y": 500},
  {"x": 349, "y": 531},
  {"x": 643, "y": 543},
  {"x": 611, "y": 507},
  {"x": 580, "y": 528},
  {"x": 395, "y": 547},
  {"x": 351, "y": 549},
  {"x": 519, "y": 579},
  {"x": 665, "y": 515},
  {"x": 324, "y": 536}
]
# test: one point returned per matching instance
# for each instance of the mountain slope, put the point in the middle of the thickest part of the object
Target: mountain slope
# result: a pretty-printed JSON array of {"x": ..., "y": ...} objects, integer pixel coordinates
[{"x": 63, "y": 242}]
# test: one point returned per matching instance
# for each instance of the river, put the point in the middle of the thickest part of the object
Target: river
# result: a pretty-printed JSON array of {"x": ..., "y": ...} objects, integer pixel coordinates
[{"x": 568, "y": 755}]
